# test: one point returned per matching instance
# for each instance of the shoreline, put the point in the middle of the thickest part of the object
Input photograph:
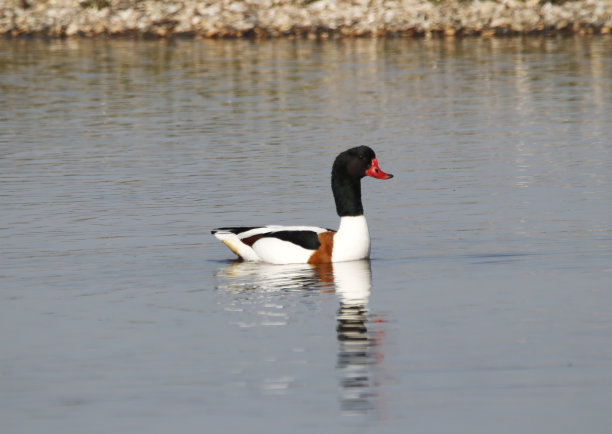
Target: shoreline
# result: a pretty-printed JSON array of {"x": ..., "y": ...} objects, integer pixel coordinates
[{"x": 311, "y": 19}]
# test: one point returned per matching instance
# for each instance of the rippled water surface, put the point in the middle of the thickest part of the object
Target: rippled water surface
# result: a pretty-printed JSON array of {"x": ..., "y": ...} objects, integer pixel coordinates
[{"x": 486, "y": 306}]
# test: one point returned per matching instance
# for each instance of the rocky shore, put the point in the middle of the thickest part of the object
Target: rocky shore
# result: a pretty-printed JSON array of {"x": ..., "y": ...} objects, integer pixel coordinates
[{"x": 302, "y": 18}]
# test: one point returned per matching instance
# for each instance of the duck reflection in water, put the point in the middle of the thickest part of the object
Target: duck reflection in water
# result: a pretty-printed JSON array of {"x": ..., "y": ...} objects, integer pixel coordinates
[
  {"x": 352, "y": 280},
  {"x": 356, "y": 352},
  {"x": 242, "y": 276}
]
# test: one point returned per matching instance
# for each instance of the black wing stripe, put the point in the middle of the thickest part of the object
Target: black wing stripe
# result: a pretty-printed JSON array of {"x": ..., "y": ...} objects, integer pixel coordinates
[
  {"x": 236, "y": 230},
  {"x": 306, "y": 239}
]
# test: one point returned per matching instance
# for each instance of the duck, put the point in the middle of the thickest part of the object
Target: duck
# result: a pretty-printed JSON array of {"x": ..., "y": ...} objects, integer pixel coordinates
[{"x": 277, "y": 244}]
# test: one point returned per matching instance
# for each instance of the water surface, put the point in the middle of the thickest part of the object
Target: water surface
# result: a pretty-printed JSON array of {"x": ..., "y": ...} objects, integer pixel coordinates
[{"x": 485, "y": 307}]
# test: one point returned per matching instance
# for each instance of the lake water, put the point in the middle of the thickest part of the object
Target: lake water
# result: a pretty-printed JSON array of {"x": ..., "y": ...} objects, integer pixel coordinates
[{"x": 486, "y": 306}]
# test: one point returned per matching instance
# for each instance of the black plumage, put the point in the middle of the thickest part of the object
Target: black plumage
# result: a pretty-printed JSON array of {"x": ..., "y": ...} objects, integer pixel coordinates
[{"x": 306, "y": 239}]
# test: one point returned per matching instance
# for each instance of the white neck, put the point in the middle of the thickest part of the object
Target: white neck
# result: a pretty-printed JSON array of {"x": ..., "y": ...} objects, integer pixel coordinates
[{"x": 352, "y": 241}]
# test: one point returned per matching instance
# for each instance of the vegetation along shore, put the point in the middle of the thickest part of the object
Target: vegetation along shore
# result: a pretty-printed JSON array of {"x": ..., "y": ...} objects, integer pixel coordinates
[{"x": 302, "y": 18}]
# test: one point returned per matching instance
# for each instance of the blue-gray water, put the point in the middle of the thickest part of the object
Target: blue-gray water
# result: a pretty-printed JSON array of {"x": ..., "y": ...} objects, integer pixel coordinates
[{"x": 486, "y": 307}]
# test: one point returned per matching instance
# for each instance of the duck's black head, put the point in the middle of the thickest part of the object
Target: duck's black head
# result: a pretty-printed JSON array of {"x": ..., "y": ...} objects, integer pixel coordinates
[{"x": 348, "y": 169}]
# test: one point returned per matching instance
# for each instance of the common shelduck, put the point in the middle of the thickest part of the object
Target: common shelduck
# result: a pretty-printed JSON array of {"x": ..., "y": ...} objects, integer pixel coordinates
[{"x": 311, "y": 244}]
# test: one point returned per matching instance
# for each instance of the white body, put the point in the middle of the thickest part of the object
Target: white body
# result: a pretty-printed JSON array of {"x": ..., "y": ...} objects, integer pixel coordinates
[
  {"x": 351, "y": 242},
  {"x": 271, "y": 250},
  {"x": 275, "y": 251}
]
